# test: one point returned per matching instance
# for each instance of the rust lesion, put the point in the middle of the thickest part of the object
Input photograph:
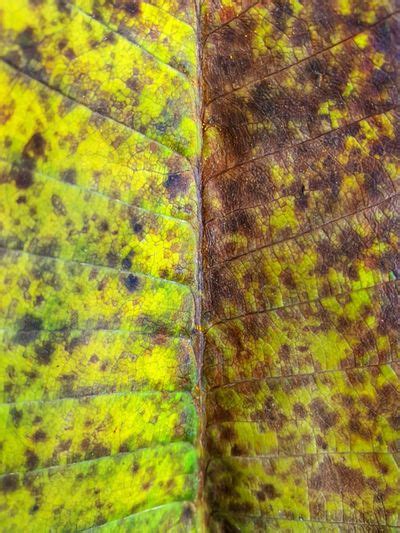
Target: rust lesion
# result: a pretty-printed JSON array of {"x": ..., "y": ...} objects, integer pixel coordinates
[{"x": 300, "y": 188}]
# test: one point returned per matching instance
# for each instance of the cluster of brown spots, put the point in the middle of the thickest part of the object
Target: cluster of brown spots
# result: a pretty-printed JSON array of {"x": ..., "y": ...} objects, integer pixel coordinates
[
  {"x": 229, "y": 57},
  {"x": 338, "y": 478}
]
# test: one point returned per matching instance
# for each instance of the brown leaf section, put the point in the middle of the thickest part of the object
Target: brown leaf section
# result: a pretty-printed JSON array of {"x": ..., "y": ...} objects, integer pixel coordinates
[{"x": 301, "y": 264}]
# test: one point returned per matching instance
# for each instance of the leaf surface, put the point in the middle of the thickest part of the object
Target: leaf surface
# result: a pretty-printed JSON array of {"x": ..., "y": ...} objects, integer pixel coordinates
[
  {"x": 199, "y": 301},
  {"x": 98, "y": 243},
  {"x": 300, "y": 180}
]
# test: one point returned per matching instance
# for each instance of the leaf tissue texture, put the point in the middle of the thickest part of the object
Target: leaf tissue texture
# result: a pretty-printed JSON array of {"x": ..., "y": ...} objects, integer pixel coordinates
[
  {"x": 99, "y": 138},
  {"x": 199, "y": 263},
  {"x": 300, "y": 180}
]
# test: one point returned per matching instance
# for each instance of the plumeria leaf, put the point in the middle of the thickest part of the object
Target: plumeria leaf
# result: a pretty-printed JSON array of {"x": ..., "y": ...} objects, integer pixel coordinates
[{"x": 199, "y": 263}]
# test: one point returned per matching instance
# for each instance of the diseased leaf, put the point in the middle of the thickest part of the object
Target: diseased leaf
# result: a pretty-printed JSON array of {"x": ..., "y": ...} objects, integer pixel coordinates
[
  {"x": 300, "y": 178},
  {"x": 98, "y": 242},
  {"x": 199, "y": 300}
]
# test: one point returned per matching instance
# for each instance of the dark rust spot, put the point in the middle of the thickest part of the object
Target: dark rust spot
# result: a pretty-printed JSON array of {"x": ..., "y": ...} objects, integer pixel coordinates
[
  {"x": 39, "y": 436},
  {"x": 58, "y": 205},
  {"x": 44, "y": 352},
  {"x": 322, "y": 416},
  {"x": 35, "y": 147},
  {"x": 23, "y": 178},
  {"x": 131, "y": 282},
  {"x": 16, "y": 416},
  {"x": 32, "y": 460},
  {"x": 9, "y": 483}
]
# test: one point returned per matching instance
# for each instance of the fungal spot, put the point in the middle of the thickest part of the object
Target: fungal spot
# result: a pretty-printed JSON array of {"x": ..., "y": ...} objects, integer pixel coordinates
[
  {"x": 269, "y": 491},
  {"x": 16, "y": 416},
  {"x": 395, "y": 422},
  {"x": 39, "y": 436},
  {"x": 28, "y": 45},
  {"x": 324, "y": 418},
  {"x": 32, "y": 460},
  {"x": 104, "y": 226},
  {"x": 9, "y": 483},
  {"x": 175, "y": 184},
  {"x": 44, "y": 352},
  {"x": 85, "y": 444},
  {"x": 69, "y": 176},
  {"x": 137, "y": 227},
  {"x": 35, "y": 147},
  {"x": 23, "y": 178},
  {"x": 30, "y": 322},
  {"x": 126, "y": 263},
  {"x": 29, "y": 329},
  {"x": 287, "y": 279},
  {"x": 58, "y": 205},
  {"x": 131, "y": 282},
  {"x": 131, "y": 6},
  {"x": 187, "y": 514},
  {"x": 34, "y": 509}
]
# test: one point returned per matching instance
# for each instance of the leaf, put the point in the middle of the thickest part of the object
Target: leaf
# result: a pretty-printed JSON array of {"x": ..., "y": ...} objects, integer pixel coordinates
[
  {"x": 99, "y": 212},
  {"x": 199, "y": 265},
  {"x": 300, "y": 180}
]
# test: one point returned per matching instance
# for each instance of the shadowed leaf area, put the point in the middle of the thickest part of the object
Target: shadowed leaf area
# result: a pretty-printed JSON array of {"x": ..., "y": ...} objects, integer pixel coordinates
[{"x": 199, "y": 264}]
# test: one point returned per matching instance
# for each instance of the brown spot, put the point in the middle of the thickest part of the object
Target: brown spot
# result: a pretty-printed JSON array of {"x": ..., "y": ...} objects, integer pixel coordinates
[
  {"x": 395, "y": 421},
  {"x": 16, "y": 416},
  {"x": 23, "y": 178},
  {"x": 28, "y": 45},
  {"x": 32, "y": 460},
  {"x": 44, "y": 352},
  {"x": 131, "y": 282},
  {"x": 131, "y": 6},
  {"x": 9, "y": 483},
  {"x": 187, "y": 514},
  {"x": 58, "y": 205},
  {"x": 338, "y": 478},
  {"x": 85, "y": 444},
  {"x": 321, "y": 443},
  {"x": 39, "y": 436},
  {"x": 175, "y": 184},
  {"x": 269, "y": 490},
  {"x": 35, "y": 147},
  {"x": 299, "y": 410},
  {"x": 69, "y": 176},
  {"x": 287, "y": 279},
  {"x": 322, "y": 416}
]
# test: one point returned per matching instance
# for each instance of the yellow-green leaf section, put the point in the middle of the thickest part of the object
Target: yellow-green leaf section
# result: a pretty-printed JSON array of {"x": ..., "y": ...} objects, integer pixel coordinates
[{"x": 99, "y": 141}]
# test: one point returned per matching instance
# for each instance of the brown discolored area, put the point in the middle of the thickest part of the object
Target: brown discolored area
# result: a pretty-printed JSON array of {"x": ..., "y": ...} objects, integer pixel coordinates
[{"x": 300, "y": 202}]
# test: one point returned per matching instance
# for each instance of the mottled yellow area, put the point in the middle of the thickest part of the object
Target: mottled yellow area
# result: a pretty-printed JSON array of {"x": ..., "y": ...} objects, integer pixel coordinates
[
  {"x": 99, "y": 138},
  {"x": 88, "y": 150},
  {"x": 175, "y": 517},
  {"x": 96, "y": 491},
  {"x": 151, "y": 98}
]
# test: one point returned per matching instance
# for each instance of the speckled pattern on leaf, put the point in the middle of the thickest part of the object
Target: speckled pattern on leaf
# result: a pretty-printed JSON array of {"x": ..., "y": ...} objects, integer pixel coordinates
[
  {"x": 99, "y": 137},
  {"x": 199, "y": 264},
  {"x": 301, "y": 264}
]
